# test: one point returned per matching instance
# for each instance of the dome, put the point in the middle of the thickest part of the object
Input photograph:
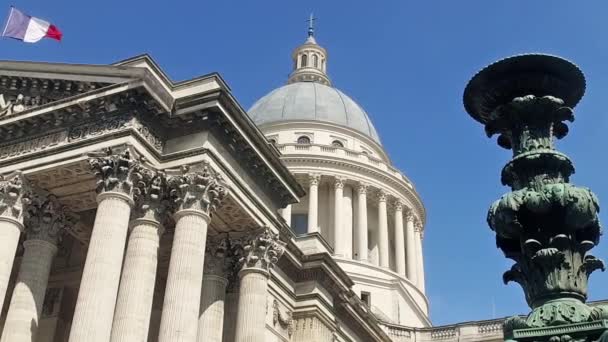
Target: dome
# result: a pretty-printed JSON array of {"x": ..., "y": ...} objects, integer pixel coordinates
[{"x": 312, "y": 101}]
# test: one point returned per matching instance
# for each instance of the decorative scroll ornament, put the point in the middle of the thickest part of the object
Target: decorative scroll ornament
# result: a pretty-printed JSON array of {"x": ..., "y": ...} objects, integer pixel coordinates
[
  {"x": 258, "y": 250},
  {"x": 218, "y": 258},
  {"x": 47, "y": 219},
  {"x": 116, "y": 171},
  {"x": 285, "y": 320},
  {"x": 15, "y": 195},
  {"x": 11, "y": 107},
  {"x": 196, "y": 187},
  {"x": 545, "y": 224},
  {"x": 150, "y": 194}
]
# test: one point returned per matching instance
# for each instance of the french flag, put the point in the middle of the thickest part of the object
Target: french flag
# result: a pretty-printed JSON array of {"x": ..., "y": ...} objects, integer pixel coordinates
[{"x": 29, "y": 29}]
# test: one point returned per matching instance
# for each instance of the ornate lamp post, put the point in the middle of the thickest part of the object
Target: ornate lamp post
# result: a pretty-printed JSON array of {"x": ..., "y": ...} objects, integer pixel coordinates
[{"x": 545, "y": 224}]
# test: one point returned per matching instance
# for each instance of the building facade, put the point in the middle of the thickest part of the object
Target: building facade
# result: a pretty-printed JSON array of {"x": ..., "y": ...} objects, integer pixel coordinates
[{"x": 135, "y": 208}]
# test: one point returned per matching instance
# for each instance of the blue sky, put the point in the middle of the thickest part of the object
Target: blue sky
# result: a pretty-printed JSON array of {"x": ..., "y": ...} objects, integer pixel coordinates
[{"x": 406, "y": 63}]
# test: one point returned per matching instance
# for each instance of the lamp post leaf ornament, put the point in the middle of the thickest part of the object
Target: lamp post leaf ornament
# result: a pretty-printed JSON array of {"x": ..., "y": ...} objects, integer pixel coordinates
[{"x": 547, "y": 225}]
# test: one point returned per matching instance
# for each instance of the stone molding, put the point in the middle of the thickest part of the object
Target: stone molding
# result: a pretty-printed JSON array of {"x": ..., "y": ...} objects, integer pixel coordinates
[
  {"x": 258, "y": 250},
  {"x": 196, "y": 187},
  {"x": 15, "y": 195},
  {"x": 47, "y": 219}
]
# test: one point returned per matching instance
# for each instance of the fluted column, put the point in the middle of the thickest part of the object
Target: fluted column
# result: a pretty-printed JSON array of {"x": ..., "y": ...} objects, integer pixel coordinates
[
  {"x": 338, "y": 238},
  {"x": 313, "y": 203},
  {"x": 217, "y": 265},
  {"x": 198, "y": 192},
  {"x": 419, "y": 254},
  {"x": 383, "y": 230},
  {"x": 286, "y": 214},
  {"x": 136, "y": 292},
  {"x": 116, "y": 174},
  {"x": 361, "y": 227},
  {"x": 14, "y": 197},
  {"x": 259, "y": 252},
  {"x": 410, "y": 249},
  {"x": 399, "y": 239},
  {"x": 45, "y": 224}
]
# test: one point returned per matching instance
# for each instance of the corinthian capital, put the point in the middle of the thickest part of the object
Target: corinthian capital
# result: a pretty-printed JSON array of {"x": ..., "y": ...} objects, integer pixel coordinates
[
  {"x": 116, "y": 171},
  {"x": 150, "y": 196},
  {"x": 314, "y": 178},
  {"x": 197, "y": 187},
  {"x": 259, "y": 250},
  {"x": 339, "y": 182},
  {"x": 418, "y": 225},
  {"x": 409, "y": 215},
  {"x": 15, "y": 195},
  {"x": 362, "y": 188},
  {"x": 398, "y": 204},
  {"x": 218, "y": 258},
  {"x": 47, "y": 219}
]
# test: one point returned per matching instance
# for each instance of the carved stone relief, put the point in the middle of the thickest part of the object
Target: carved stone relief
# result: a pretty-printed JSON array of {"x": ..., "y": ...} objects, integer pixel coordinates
[{"x": 283, "y": 319}]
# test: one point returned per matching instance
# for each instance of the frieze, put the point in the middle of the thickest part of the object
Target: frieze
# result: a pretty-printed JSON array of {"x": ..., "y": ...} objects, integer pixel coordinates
[
  {"x": 78, "y": 133},
  {"x": 99, "y": 127},
  {"x": 148, "y": 135},
  {"x": 36, "y": 144}
]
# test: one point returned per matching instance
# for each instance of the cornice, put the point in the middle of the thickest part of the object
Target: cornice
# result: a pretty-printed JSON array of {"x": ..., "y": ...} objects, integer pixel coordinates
[
  {"x": 143, "y": 90},
  {"x": 409, "y": 192}
]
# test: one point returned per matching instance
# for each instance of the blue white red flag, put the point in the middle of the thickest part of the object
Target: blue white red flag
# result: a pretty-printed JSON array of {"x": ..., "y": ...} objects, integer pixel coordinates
[{"x": 29, "y": 29}]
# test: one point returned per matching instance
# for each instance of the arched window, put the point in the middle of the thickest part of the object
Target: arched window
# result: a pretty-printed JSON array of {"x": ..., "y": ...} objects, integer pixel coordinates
[
  {"x": 337, "y": 143},
  {"x": 304, "y": 140},
  {"x": 304, "y": 61},
  {"x": 315, "y": 61}
]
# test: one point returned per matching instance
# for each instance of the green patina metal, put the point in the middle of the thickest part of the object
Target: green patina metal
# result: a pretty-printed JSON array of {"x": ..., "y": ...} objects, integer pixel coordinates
[{"x": 545, "y": 224}]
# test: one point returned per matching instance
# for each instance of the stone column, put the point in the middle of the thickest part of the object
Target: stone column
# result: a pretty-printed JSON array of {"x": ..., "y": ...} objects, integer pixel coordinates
[
  {"x": 286, "y": 214},
  {"x": 215, "y": 280},
  {"x": 313, "y": 203},
  {"x": 347, "y": 222},
  {"x": 383, "y": 230},
  {"x": 136, "y": 292},
  {"x": 116, "y": 174},
  {"x": 410, "y": 249},
  {"x": 198, "y": 191},
  {"x": 399, "y": 239},
  {"x": 259, "y": 253},
  {"x": 45, "y": 223},
  {"x": 14, "y": 197},
  {"x": 338, "y": 237},
  {"x": 361, "y": 228},
  {"x": 419, "y": 254}
]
